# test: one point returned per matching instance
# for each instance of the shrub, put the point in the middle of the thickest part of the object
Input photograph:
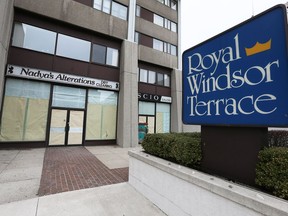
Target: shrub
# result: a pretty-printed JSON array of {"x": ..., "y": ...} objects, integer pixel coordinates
[
  {"x": 187, "y": 151},
  {"x": 272, "y": 171},
  {"x": 278, "y": 138},
  {"x": 183, "y": 148},
  {"x": 159, "y": 145}
]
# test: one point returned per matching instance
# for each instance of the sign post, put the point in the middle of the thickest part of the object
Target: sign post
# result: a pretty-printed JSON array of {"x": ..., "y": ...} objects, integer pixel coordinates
[{"x": 236, "y": 86}]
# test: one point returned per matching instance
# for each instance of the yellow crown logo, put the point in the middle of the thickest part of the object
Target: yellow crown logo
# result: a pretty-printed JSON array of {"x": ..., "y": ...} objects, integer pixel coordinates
[{"x": 258, "y": 47}]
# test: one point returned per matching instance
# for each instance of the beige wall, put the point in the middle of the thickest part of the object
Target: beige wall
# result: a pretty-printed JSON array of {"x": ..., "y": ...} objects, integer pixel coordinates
[{"x": 6, "y": 19}]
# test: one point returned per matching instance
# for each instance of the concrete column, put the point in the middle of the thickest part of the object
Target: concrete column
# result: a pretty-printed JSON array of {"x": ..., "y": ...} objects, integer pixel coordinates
[
  {"x": 127, "y": 126},
  {"x": 6, "y": 23},
  {"x": 176, "y": 106}
]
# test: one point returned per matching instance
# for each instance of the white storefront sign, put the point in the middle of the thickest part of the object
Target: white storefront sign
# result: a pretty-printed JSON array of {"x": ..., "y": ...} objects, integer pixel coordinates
[{"x": 50, "y": 76}]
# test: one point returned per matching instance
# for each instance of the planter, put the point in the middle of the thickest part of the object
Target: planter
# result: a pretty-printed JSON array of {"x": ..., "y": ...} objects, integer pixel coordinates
[{"x": 180, "y": 191}]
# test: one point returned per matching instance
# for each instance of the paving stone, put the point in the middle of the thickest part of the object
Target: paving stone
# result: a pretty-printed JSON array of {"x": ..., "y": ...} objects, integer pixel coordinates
[{"x": 75, "y": 168}]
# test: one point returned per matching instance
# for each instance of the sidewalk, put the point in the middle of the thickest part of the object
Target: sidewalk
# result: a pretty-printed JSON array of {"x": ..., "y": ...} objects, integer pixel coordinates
[
  {"x": 20, "y": 175},
  {"x": 112, "y": 200}
]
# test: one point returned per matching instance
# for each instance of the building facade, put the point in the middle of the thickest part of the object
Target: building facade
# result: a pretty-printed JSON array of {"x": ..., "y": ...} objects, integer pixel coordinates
[{"x": 87, "y": 72}]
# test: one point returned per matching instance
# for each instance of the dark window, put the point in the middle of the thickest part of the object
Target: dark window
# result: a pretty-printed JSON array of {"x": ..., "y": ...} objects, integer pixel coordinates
[{"x": 99, "y": 54}]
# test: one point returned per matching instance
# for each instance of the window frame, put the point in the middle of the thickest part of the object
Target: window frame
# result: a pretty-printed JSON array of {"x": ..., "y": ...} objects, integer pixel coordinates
[{"x": 108, "y": 8}]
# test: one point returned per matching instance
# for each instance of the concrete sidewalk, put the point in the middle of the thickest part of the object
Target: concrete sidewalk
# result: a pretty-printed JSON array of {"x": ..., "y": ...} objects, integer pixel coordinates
[
  {"x": 112, "y": 200},
  {"x": 20, "y": 175}
]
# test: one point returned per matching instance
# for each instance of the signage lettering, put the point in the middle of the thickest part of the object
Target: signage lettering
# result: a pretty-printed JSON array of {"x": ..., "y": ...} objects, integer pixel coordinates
[
  {"x": 234, "y": 79},
  {"x": 16, "y": 71},
  {"x": 156, "y": 98}
]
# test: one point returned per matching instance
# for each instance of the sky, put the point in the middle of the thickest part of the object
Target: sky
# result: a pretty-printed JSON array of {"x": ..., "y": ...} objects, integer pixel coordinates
[{"x": 203, "y": 19}]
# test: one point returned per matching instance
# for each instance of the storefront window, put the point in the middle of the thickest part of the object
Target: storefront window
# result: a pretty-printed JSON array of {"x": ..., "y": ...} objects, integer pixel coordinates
[
  {"x": 157, "y": 122},
  {"x": 30, "y": 37},
  {"x": 74, "y": 48},
  {"x": 162, "y": 118},
  {"x": 146, "y": 108},
  {"x": 101, "y": 115},
  {"x": 25, "y": 109},
  {"x": 68, "y": 97}
]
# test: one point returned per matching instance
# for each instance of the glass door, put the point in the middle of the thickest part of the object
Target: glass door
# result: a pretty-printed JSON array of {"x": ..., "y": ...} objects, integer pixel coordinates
[
  {"x": 66, "y": 127},
  {"x": 75, "y": 132},
  {"x": 58, "y": 127},
  {"x": 150, "y": 121}
]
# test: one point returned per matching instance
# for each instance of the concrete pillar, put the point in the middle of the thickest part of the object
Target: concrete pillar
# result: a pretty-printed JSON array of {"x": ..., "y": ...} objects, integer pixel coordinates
[
  {"x": 127, "y": 126},
  {"x": 176, "y": 106},
  {"x": 177, "y": 125},
  {"x": 6, "y": 23}
]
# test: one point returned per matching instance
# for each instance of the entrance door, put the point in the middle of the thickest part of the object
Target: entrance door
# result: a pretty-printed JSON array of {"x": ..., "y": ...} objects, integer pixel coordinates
[
  {"x": 150, "y": 120},
  {"x": 66, "y": 127}
]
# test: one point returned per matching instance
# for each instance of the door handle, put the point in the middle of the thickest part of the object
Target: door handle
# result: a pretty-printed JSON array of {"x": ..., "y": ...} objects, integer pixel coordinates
[{"x": 67, "y": 126}]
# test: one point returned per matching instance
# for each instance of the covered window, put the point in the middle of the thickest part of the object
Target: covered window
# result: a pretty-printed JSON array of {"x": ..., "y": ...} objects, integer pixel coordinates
[
  {"x": 146, "y": 108},
  {"x": 64, "y": 96},
  {"x": 162, "y": 118},
  {"x": 101, "y": 115},
  {"x": 74, "y": 48},
  {"x": 25, "y": 110},
  {"x": 33, "y": 38}
]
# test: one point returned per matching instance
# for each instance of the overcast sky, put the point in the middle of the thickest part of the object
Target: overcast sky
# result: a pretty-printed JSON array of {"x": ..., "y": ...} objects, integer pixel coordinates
[{"x": 203, "y": 19}]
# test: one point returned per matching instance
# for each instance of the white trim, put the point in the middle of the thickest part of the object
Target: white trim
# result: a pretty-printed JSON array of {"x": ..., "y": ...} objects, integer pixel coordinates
[{"x": 131, "y": 20}]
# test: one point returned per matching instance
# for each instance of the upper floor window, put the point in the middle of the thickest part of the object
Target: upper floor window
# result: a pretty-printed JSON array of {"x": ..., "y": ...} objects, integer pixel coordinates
[
  {"x": 165, "y": 23},
  {"x": 155, "y": 18},
  {"x": 73, "y": 48},
  {"x": 105, "y": 55},
  {"x": 31, "y": 37},
  {"x": 152, "y": 77},
  {"x": 138, "y": 9},
  {"x": 164, "y": 47},
  {"x": 169, "y": 3},
  {"x": 111, "y": 7},
  {"x": 41, "y": 40}
]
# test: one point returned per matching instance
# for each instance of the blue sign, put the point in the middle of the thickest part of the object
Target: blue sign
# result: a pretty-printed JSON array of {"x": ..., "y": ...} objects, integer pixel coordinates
[{"x": 239, "y": 77}]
